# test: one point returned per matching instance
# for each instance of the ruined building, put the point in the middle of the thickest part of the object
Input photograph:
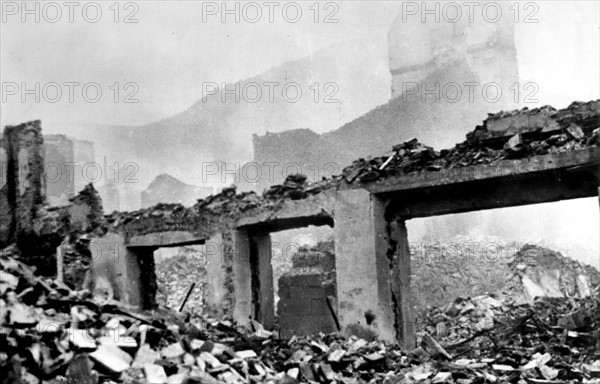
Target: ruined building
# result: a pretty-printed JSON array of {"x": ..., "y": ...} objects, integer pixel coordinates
[
  {"x": 167, "y": 189},
  {"x": 418, "y": 49},
  {"x": 445, "y": 78},
  {"x": 22, "y": 187},
  {"x": 364, "y": 285},
  {"x": 514, "y": 158},
  {"x": 70, "y": 164},
  {"x": 26, "y": 217}
]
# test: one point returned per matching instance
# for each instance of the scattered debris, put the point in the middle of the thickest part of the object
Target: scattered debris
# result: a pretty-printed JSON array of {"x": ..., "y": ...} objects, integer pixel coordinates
[
  {"x": 175, "y": 276},
  {"x": 69, "y": 337}
]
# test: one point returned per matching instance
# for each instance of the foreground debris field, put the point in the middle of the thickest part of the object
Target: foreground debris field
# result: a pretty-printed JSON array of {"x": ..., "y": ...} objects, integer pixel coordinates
[{"x": 52, "y": 334}]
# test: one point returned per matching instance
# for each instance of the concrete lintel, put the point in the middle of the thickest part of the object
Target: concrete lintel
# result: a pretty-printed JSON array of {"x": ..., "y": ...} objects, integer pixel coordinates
[
  {"x": 317, "y": 209},
  {"x": 165, "y": 239},
  {"x": 506, "y": 170},
  {"x": 489, "y": 194}
]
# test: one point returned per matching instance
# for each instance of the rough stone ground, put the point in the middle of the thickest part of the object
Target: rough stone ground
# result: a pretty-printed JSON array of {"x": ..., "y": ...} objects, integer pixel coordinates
[
  {"x": 52, "y": 334},
  {"x": 466, "y": 267}
]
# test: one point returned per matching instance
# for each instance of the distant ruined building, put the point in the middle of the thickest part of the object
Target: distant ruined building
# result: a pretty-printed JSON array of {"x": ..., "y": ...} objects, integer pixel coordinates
[
  {"x": 445, "y": 80},
  {"x": 485, "y": 49},
  {"x": 167, "y": 189},
  {"x": 70, "y": 164}
]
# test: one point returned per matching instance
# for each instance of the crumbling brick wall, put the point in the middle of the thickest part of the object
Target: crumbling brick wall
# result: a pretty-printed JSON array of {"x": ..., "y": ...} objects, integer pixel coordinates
[
  {"x": 304, "y": 293},
  {"x": 26, "y": 220},
  {"x": 86, "y": 213}
]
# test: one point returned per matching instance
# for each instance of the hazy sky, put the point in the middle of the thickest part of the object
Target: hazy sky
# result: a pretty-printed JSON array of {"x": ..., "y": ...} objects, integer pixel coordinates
[{"x": 171, "y": 50}]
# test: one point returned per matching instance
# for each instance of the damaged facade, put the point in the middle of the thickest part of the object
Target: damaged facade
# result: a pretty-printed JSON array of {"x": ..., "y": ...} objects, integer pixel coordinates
[
  {"x": 552, "y": 152},
  {"x": 367, "y": 205},
  {"x": 361, "y": 287}
]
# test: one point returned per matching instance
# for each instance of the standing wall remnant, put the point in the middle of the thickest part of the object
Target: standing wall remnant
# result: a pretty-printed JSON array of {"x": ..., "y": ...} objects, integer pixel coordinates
[
  {"x": 24, "y": 188},
  {"x": 6, "y": 208}
]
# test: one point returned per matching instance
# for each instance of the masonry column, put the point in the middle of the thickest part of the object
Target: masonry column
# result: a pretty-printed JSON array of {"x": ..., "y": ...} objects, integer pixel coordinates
[
  {"x": 266, "y": 299},
  {"x": 242, "y": 277},
  {"x": 362, "y": 267}
]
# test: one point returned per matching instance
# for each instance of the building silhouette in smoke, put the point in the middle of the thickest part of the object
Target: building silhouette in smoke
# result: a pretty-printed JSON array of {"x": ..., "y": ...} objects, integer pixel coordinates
[{"x": 445, "y": 78}]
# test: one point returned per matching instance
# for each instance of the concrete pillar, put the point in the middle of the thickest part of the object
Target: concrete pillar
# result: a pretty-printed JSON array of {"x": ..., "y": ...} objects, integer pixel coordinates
[
  {"x": 400, "y": 273},
  {"x": 215, "y": 270},
  {"x": 266, "y": 297},
  {"x": 242, "y": 278},
  {"x": 362, "y": 266},
  {"x": 253, "y": 278}
]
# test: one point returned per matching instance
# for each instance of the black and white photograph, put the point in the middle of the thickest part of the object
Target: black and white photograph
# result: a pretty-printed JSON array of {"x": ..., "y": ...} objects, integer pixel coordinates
[{"x": 309, "y": 191}]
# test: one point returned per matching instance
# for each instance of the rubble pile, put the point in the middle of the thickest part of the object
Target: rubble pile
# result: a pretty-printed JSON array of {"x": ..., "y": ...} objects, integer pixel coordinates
[
  {"x": 292, "y": 187},
  {"x": 70, "y": 227},
  {"x": 177, "y": 275},
  {"x": 296, "y": 187},
  {"x": 161, "y": 217},
  {"x": 52, "y": 334},
  {"x": 442, "y": 272},
  {"x": 503, "y": 136},
  {"x": 553, "y": 340},
  {"x": 463, "y": 267},
  {"x": 215, "y": 210},
  {"x": 229, "y": 202},
  {"x": 538, "y": 271}
]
